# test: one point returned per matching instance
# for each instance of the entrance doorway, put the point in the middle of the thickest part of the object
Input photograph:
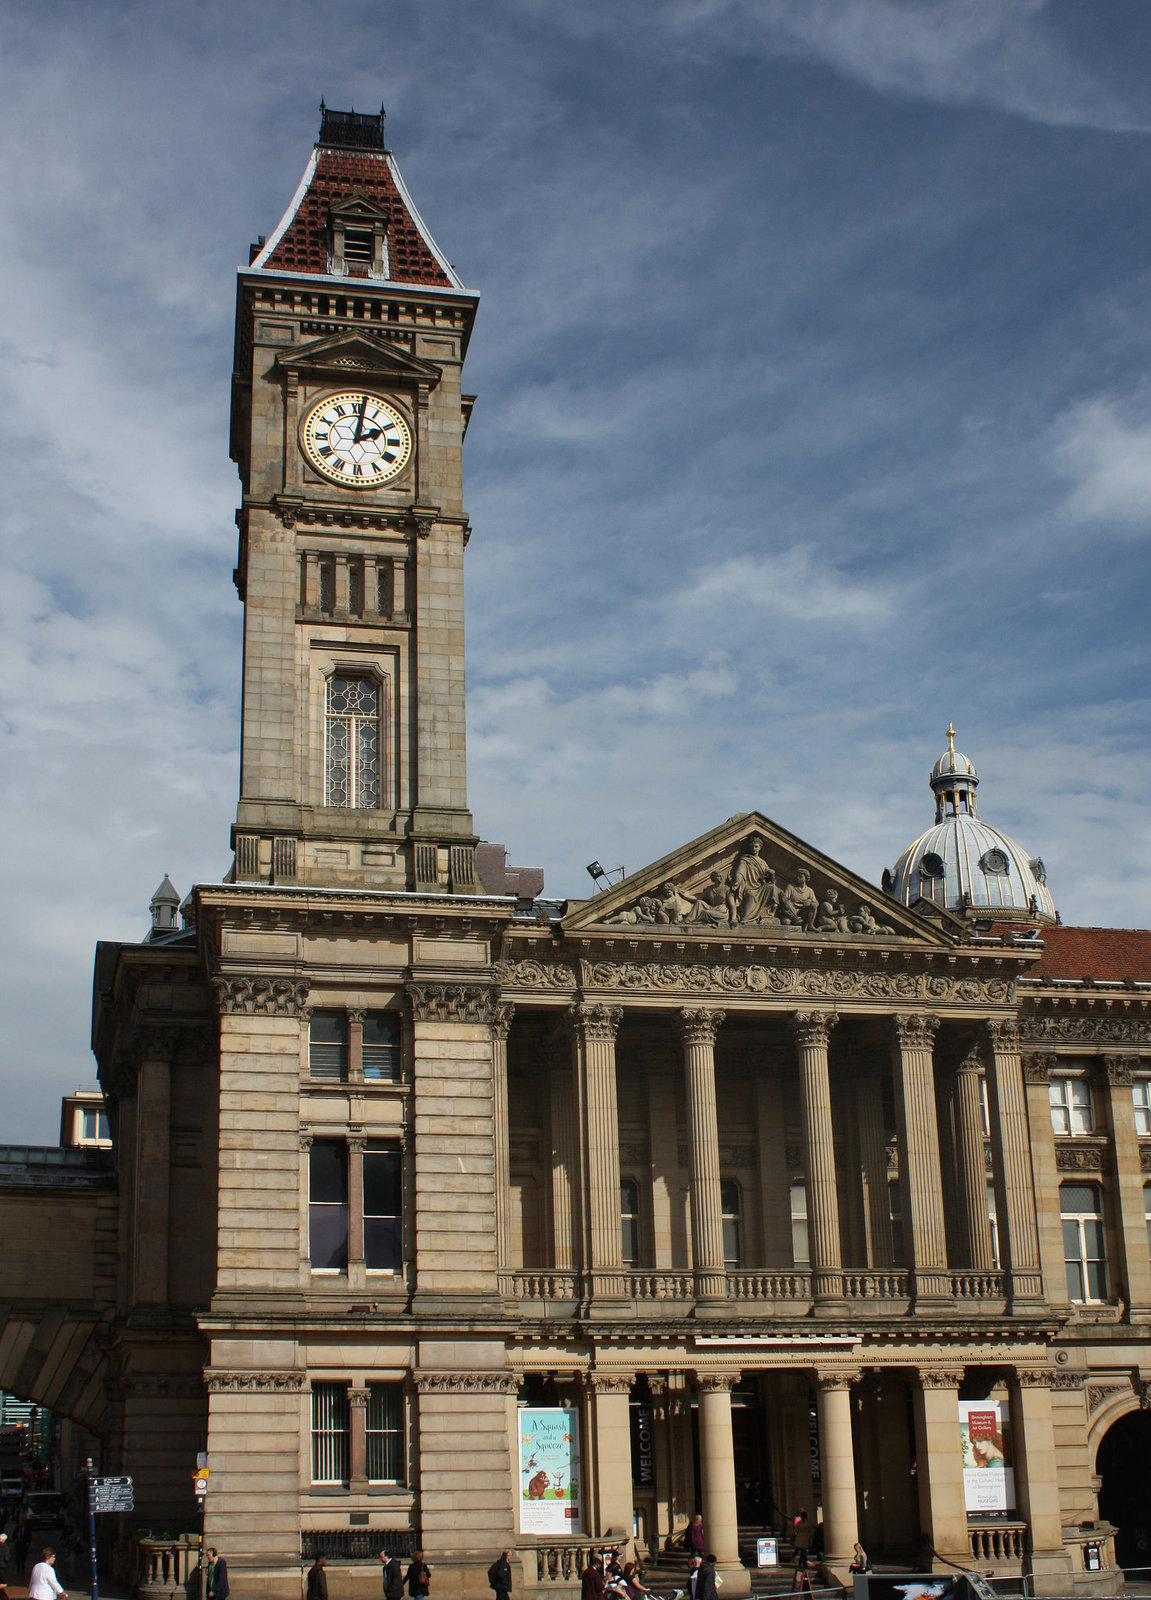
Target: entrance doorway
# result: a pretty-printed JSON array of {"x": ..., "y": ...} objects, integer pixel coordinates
[
  {"x": 1124, "y": 1464},
  {"x": 749, "y": 1442}
]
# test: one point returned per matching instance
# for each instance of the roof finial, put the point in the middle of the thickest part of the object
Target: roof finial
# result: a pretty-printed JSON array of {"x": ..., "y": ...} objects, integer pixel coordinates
[{"x": 951, "y": 738}]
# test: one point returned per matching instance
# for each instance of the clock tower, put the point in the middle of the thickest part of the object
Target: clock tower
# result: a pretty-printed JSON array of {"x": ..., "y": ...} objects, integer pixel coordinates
[{"x": 347, "y": 428}]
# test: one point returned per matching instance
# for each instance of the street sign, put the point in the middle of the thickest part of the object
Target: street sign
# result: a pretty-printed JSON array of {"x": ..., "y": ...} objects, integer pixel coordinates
[
  {"x": 111, "y": 1494},
  {"x": 201, "y": 1486}
]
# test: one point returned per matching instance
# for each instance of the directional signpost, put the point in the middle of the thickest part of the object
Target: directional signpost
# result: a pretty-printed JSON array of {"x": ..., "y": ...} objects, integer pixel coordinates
[{"x": 104, "y": 1494}]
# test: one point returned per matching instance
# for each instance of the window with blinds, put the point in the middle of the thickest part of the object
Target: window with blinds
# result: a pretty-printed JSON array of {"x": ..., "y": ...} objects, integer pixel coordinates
[
  {"x": 330, "y": 1433},
  {"x": 328, "y": 1045},
  {"x": 385, "y": 1438},
  {"x": 382, "y": 1046},
  {"x": 383, "y": 1210}
]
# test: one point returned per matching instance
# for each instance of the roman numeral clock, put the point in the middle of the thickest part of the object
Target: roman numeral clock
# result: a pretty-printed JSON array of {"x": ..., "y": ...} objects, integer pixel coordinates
[{"x": 356, "y": 439}]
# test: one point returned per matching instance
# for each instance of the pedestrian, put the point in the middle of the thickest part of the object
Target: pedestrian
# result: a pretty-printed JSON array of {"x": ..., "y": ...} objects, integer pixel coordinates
[
  {"x": 860, "y": 1562},
  {"x": 592, "y": 1584},
  {"x": 500, "y": 1575},
  {"x": 632, "y": 1584},
  {"x": 217, "y": 1575},
  {"x": 317, "y": 1580},
  {"x": 393, "y": 1574},
  {"x": 44, "y": 1584},
  {"x": 695, "y": 1540},
  {"x": 3, "y": 1565},
  {"x": 419, "y": 1578}
]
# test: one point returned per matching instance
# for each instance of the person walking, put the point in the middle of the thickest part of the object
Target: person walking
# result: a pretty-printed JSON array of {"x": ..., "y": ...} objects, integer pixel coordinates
[
  {"x": 44, "y": 1584},
  {"x": 393, "y": 1574},
  {"x": 500, "y": 1575},
  {"x": 695, "y": 1539},
  {"x": 317, "y": 1580},
  {"x": 217, "y": 1575},
  {"x": 592, "y": 1583},
  {"x": 419, "y": 1578}
]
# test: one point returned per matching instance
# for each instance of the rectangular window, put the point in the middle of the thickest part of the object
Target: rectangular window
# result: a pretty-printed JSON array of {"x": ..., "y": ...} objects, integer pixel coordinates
[
  {"x": 382, "y": 1046},
  {"x": 895, "y": 1212},
  {"x": 1141, "y": 1095},
  {"x": 800, "y": 1253},
  {"x": 984, "y": 1107},
  {"x": 1071, "y": 1106},
  {"x": 95, "y": 1125},
  {"x": 329, "y": 1432},
  {"x": 328, "y": 1205},
  {"x": 386, "y": 1433},
  {"x": 328, "y": 1045},
  {"x": 1084, "y": 1253},
  {"x": 993, "y": 1221},
  {"x": 729, "y": 1207},
  {"x": 352, "y": 771},
  {"x": 357, "y": 244},
  {"x": 383, "y": 1210},
  {"x": 629, "y": 1221}
]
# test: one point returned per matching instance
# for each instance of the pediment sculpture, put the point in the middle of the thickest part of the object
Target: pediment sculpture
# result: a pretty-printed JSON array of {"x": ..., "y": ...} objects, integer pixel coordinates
[{"x": 752, "y": 893}]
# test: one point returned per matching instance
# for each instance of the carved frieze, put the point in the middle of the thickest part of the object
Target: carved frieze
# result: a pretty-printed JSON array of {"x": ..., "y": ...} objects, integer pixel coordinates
[
  {"x": 1034, "y": 1377},
  {"x": 1038, "y": 1069},
  {"x": 1076, "y": 1157},
  {"x": 836, "y": 1377},
  {"x": 1066, "y": 1380},
  {"x": 609, "y": 1382},
  {"x": 1145, "y": 1158},
  {"x": 451, "y": 1002},
  {"x": 535, "y": 974},
  {"x": 1085, "y": 1030},
  {"x": 942, "y": 1379},
  {"x": 802, "y": 983},
  {"x": 223, "y": 1382},
  {"x": 467, "y": 1382},
  {"x": 1099, "y": 1393},
  {"x": 261, "y": 997}
]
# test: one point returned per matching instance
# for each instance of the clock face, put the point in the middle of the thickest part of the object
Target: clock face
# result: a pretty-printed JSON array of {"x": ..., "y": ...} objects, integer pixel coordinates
[{"x": 356, "y": 440}]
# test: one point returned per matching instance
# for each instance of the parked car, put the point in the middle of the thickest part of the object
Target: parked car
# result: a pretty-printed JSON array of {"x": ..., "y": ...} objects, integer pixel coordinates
[
  {"x": 45, "y": 1508},
  {"x": 12, "y": 1485}
]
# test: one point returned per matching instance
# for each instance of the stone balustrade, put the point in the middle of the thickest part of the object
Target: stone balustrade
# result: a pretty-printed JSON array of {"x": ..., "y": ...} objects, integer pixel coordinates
[
  {"x": 165, "y": 1566},
  {"x": 1000, "y": 1543},
  {"x": 888, "y": 1285},
  {"x": 560, "y": 1562},
  {"x": 790, "y": 1285},
  {"x": 979, "y": 1285}
]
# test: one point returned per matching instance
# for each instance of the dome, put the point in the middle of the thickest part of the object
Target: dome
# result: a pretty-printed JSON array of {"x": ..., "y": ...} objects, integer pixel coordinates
[{"x": 964, "y": 865}]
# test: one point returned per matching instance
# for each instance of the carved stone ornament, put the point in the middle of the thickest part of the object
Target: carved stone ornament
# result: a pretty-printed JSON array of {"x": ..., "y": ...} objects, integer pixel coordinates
[
  {"x": 220, "y": 1382},
  {"x": 835, "y": 1378},
  {"x": 917, "y": 1031},
  {"x": 747, "y": 893},
  {"x": 1034, "y": 1378},
  {"x": 1120, "y": 1070},
  {"x": 941, "y": 1379},
  {"x": 534, "y": 974},
  {"x": 609, "y": 1382},
  {"x": 450, "y": 1002},
  {"x": 596, "y": 1021},
  {"x": 467, "y": 1383},
  {"x": 972, "y": 1063},
  {"x": 358, "y": 1399},
  {"x": 1086, "y": 1030},
  {"x": 261, "y": 997},
  {"x": 716, "y": 1382},
  {"x": 1099, "y": 1393},
  {"x": 813, "y": 1028},
  {"x": 1038, "y": 1069},
  {"x": 501, "y": 1019},
  {"x": 1004, "y": 1033},
  {"x": 356, "y": 1014},
  {"x": 804, "y": 983},
  {"x": 1145, "y": 1158},
  {"x": 1066, "y": 1380},
  {"x": 700, "y": 1026},
  {"x": 1081, "y": 1158}
]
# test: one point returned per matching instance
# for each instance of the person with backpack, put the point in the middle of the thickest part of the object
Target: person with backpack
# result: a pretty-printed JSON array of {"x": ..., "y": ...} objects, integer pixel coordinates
[
  {"x": 500, "y": 1576},
  {"x": 419, "y": 1578}
]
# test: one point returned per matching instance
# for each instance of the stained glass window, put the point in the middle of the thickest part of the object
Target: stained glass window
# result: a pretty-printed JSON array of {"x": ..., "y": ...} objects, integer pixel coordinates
[{"x": 352, "y": 743}]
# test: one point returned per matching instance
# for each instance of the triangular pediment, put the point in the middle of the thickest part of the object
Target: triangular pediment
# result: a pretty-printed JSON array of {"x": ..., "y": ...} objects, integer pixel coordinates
[
  {"x": 752, "y": 879},
  {"x": 357, "y": 352},
  {"x": 357, "y": 207}
]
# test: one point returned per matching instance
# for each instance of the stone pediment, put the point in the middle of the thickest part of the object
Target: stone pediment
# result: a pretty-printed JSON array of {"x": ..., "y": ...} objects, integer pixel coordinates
[
  {"x": 364, "y": 354},
  {"x": 357, "y": 207},
  {"x": 751, "y": 878}
]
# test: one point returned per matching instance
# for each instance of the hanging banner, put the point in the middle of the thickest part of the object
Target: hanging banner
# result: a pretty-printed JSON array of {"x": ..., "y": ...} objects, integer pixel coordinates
[
  {"x": 549, "y": 1470},
  {"x": 988, "y": 1476}
]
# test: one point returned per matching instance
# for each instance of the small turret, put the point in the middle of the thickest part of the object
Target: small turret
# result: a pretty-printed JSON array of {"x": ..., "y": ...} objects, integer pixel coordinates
[{"x": 165, "y": 904}]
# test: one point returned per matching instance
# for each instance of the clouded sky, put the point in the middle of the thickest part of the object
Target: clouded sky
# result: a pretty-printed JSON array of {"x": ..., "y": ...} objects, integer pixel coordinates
[{"x": 812, "y": 365}]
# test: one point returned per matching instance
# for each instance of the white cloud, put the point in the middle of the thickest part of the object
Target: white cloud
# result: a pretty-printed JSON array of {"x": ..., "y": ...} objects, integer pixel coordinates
[{"x": 1106, "y": 452}]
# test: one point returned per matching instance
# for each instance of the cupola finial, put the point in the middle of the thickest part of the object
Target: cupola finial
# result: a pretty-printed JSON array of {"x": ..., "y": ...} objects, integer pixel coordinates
[{"x": 951, "y": 738}]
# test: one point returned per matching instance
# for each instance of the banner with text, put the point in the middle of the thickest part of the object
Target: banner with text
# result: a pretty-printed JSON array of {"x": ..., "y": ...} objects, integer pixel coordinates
[
  {"x": 549, "y": 1470},
  {"x": 988, "y": 1476}
]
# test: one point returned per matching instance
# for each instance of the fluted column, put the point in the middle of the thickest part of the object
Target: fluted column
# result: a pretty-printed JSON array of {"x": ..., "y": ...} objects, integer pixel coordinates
[
  {"x": 717, "y": 1470},
  {"x": 837, "y": 1467},
  {"x": 699, "y": 1031},
  {"x": 972, "y": 1166},
  {"x": 873, "y": 1162},
  {"x": 942, "y": 1509},
  {"x": 920, "y": 1169},
  {"x": 596, "y": 1029},
  {"x": 564, "y": 1164},
  {"x": 1118, "y": 1078},
  {"x": 501, "y": 1023},
  {"x": 1014, "y": 1183},
  {"x": 812, "y": 1031}
]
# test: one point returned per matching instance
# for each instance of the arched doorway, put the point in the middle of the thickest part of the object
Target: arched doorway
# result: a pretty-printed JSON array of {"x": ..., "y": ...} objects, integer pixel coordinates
[{"x": 1123, "y": 1462}]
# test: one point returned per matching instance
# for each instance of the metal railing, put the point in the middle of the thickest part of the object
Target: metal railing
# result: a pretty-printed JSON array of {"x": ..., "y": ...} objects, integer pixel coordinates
[{"x": 356, "y": 1544}]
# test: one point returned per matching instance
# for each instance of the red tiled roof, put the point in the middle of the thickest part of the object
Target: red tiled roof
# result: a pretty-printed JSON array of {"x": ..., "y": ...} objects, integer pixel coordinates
[
  {"x": 1109, "y": 953},
  {"x": 302, "y": 246}
]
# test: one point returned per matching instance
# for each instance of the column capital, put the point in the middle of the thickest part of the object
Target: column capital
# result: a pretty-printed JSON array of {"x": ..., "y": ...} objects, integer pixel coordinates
[
  {"x": 716, "y": 1382},
  {"x": 450, "y": 1002},
  {"x": 596, "y": 1021},
  {"x": 813, "y": 1028},
  {"x": 940, "y": 1379},
  {"x": 305, "y": 1138},
  {"x": 357, "y": 1141},
  {"x": 836, "y": 1377},
  {"x": 1120, "y": 1070},
  {"x": 357, "y": 1013},
  {"x": 915, "y": 1030},
  {"x": 1004, "y": 1032},
  {"x": 974, "y": 1062},
  {"x": 1038, "y": 1069},
  {"x": 1033, "y": 1377},
  {"x": 609, "y": 1382},
  {"x": 501, "y": 1019},
  {"x": 262, "y": 997},
  {"x": 358, "y": 1399},
  {"x": 700, "y": 1024}
]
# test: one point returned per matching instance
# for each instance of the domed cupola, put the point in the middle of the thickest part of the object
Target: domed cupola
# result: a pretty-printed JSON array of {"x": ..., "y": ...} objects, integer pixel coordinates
[{"x": 964, "y": 866}]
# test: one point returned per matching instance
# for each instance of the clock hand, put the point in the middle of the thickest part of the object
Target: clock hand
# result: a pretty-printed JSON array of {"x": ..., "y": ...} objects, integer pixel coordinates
[{"x": 360, "y": 420}]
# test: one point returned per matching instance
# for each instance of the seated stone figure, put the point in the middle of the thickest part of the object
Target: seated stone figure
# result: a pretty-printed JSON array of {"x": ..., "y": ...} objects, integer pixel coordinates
[
  {"x": 864, "y": 922},
  {"x": 799, "y": 903},
  {"x": 832, "y": 917}
]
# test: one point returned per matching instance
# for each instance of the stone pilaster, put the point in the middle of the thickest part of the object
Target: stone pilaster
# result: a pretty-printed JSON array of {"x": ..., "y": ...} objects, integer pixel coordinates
[
  {"x": 1118, "y": 1076},
  {"x": 1036, "y": 1082},
  {"x": 501, "y": 1025},
  {"x": 972, "y": 1167},
  {"x": 153, "y": 1138},
  {"x": 873, "y": 1164},
  {"x": 565, "y": 1163},
  {"x": 942, "y": 1511},
  {"x": 920, "y": 1171},
  {"x": 466, "y": 1481},
  {"x": 837, "y": 1466},
  {"x": 357, "y": 1143},
  {"x": 358, "y": 1429},
  {"x": 699, "y": 1030},
  {"x": 717, "y": 1471},
  {"x": 812, "y": 1031},
  {"x": 609, "y": 1394},
  {"x": 1037, "y": 1479},
  {"x": 596, "y": 1027},
  {"x": 1014, "y": 1184}
]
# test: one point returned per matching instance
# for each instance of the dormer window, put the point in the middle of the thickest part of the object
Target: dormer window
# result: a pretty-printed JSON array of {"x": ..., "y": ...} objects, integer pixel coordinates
[
  {"x": 358, "y": 245},
  {"x": 358, "y": 234}
]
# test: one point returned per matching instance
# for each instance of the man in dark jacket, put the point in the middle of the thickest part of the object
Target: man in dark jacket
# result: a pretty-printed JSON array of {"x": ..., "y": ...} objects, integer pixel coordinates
[
  {"x": 217, "y": 1576},
  {"x": 500, "y": 1575},
  {"x": 393, "y": 1577},
  {"x": 317, "y": 1580},
  {"x": 591, "y": 1581}
]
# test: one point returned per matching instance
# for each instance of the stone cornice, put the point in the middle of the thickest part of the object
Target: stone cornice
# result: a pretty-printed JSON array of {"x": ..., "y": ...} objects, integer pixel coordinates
[{"x": 1066, "y": 1028}]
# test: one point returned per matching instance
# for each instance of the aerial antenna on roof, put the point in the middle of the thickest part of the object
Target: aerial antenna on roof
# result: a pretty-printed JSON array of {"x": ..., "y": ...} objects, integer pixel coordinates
[{"x": 605, "y": 877}]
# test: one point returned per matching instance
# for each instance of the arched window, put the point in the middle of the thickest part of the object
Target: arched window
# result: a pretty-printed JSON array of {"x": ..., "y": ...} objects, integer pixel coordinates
[
  {"x": 629, "y": 1221},
  {"x": 1084, "y": 1252},
  {"x": 352, "y": 743},
  {"x": 729, "y": 1208},
  {"x": 800, "y": 1253}
]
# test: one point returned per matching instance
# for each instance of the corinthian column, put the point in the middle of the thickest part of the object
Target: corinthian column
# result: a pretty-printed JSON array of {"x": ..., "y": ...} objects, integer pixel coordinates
[
  {"x": 596, "y": 1027},
  {"x": 873, "y": 1160},
  {"x": 919, "y": 1158},
  {"x": 699, "y": 1031},
  {"x": 1014, "y": 1183},
  {"x": 717, "y": 1470},
  {"x": 812, "y": 1031},
  {"x": 972, "y": 1167},
  {"x": 500, "y": 1024},
  {"x": 564, "y": 1162},
  {"x": 837, "y": 1465}
]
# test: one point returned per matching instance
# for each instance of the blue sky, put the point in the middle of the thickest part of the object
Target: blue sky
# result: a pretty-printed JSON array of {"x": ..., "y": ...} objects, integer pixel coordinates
[{"x": 813, "y": 413}]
